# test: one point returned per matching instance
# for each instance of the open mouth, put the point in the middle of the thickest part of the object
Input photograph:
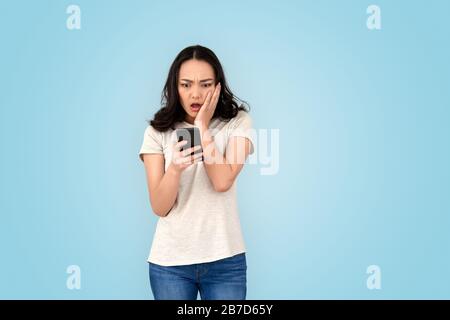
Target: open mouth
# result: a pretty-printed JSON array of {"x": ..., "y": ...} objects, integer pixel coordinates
[{"x": 195, "y": 107}]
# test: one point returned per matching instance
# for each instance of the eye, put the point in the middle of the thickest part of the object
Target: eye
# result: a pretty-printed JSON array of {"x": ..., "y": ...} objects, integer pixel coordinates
[
  {"x": 208, "y": 85},
  {"x": 184, "y": 85}
]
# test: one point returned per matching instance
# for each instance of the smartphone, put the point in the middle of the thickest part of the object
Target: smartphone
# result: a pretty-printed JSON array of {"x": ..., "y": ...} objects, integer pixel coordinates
[{"x": 192, "y": 135}]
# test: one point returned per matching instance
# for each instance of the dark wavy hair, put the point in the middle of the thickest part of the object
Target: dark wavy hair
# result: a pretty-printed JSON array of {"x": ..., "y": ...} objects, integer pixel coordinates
[{"x": 172, "y": 112}]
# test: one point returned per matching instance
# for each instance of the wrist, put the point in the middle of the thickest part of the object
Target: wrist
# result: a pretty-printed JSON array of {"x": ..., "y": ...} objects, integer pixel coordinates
[
  {"x": 205, "y": 135},
  {"x": 206, "y": 139},
  {"x": 173, "y": 171}
]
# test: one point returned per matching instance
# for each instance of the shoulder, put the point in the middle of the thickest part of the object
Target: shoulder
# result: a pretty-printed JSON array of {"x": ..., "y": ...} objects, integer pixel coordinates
[
  {"x": 152, "y": 132},
  {"x": 242, "y": 118},
  {"x": 242, "y": 114},
  {"x": 151, "y": 135}
]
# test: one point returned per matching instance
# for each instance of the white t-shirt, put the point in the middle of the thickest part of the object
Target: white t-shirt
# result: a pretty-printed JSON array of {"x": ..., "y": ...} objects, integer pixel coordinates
[{"x": 203, "y": 225}]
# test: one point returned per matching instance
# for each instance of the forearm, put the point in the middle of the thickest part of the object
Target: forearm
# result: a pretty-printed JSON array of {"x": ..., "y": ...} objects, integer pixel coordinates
[
  {"x": 165, "y": 194},
  {"x": 218, "y": 170}
]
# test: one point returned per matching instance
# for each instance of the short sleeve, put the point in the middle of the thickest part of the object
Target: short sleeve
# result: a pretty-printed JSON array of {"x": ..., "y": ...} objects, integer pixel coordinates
[
  {"x": 242, "y": 126},
  {"x": 152, "y": 142}
]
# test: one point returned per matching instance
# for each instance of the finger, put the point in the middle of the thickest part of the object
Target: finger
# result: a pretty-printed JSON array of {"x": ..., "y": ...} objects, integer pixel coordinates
[
  {"x": 216, "y": 96},
  {"x": 192, "y": 158},
  {"x": 218, "y": 87},
  {"x": 207, "y": 100},
  {"x": 186, "y": 157},
  {"x": 200, "y": 159},
  {"x": 186, "y": 160},
  {"x": 195, "y": 161},
  {"x": 186, "y": 152},
  {"x": 178, "y": 145},
  {"x": 197, "y": 155}
]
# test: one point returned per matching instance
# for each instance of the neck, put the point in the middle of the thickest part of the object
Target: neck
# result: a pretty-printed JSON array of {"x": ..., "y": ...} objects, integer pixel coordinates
[{"x": 189, "y": 119}]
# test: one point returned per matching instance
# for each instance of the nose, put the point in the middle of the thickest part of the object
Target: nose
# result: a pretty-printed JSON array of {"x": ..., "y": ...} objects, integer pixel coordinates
[{"x": 195, "y": 93}]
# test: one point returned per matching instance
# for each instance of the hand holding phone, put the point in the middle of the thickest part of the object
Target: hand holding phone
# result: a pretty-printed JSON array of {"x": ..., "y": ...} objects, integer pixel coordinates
[{"x": 192, "y": 136}]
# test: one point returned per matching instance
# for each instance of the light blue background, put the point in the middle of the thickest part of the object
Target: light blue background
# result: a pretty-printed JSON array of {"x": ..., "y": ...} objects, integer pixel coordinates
[{"x": 364, "y": 152}]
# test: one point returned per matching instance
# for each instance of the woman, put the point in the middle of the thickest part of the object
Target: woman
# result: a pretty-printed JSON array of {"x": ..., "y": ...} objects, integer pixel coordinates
[{"x": 198, "y": 245}]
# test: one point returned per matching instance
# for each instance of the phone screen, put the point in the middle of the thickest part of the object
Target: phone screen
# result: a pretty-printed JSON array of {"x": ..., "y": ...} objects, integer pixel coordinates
[{"x": 192, "y": 135}]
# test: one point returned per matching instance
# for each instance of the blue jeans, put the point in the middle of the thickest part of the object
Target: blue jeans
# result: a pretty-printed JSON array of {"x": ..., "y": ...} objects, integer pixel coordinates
[{"x": 224, "y": 279}]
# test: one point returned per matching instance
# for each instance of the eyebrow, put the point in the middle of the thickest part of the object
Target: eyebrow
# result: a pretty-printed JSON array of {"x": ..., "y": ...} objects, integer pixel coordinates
[{"x": 204, "y": 80}]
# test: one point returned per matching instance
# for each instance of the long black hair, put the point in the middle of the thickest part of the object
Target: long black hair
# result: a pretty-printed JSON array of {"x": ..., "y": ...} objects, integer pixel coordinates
[{"x": 172, "y": 112}]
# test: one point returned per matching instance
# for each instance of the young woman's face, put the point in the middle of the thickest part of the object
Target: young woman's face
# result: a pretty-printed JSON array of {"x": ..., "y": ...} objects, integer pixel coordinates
[{"x": 196, "y": 79}]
